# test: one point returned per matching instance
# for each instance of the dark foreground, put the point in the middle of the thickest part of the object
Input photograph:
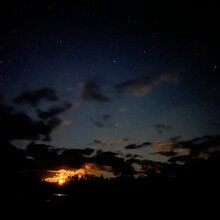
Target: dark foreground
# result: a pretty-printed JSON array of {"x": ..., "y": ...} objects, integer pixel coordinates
[{"x": 126, "y": 197}]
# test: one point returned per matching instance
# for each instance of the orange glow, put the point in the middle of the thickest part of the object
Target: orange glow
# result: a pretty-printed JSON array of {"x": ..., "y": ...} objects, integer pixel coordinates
[
  {"x": 61, "y": 181},
  {"x": 62, "y": 176}
]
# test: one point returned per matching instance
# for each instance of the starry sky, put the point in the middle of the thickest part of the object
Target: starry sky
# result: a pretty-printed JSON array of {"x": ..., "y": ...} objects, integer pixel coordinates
[{"x": 130, "y": 79}]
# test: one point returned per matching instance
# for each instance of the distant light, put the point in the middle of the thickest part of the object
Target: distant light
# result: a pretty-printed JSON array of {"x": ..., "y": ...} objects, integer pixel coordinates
[{"x": 60, "y": 181}]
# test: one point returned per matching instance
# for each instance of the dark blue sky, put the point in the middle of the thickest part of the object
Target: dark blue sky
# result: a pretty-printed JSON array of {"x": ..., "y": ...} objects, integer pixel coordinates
[{"x": 108, "y": 75}]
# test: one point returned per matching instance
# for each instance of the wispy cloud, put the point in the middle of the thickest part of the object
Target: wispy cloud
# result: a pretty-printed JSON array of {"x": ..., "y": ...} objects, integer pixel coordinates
[
  {"x": 91, "y": 91},
  {"x": 35, "y": 96},
  {"x": 142, "y": 86},
  {"x": 104, "y": 121},
  {"x": 161, "y": 128},
  {"x": 53, "y": 111},
  {"x": 123, "y": 140},
  {"x": 134, "y": 146},
  {"x": 167, "y": 153},
  {"x": 104, "y": 142},
  {"x": 163, "y": 145}
]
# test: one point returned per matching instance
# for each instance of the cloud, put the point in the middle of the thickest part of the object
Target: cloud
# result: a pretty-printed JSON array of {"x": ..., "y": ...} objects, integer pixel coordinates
[
  {"x": 76, "y": 157},
  {"x": 139, "y": 87},
  {"x": 134, "y": 146},
  {"x": 97, "y": 123},
  {"x": 91, "y": 91},
  {"x": 162, "y": 127},
  {"x": 163, "y": 145},
  {"x": 97, "y": 170},
  {"x": 118, "y": 164},
  {"x": 106, "y": 117},
  {"x": 200, "y": 144},
  {"x": 49, "y": 157},
  {"x": 105, "y": 143},
  {"x": 36, "y": 96},
  {"x": 112, "y": 142},
  {"x": 167, "y": 153},
  {"x": 53, "y": 111},
  {"x": 145, "y": 166},
  {"x": 197, "y": 148},
  {"x": 123, "y": 140},
  {"x": 104, "y": 121},
  {"x": 66, "y": 122},
  {"x": 132, "y": 155},
  {"x": 20, "y": 126},
  {"x": 131, "y": 146},
  {"x": 175, "y": 139},
  {"x": 180, "y": 159},
  {"x": 142, "y": 86},
  {"x": 96, "y": 141}
]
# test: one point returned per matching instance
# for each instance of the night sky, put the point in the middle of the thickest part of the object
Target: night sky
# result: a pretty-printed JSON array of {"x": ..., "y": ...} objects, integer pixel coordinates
[{"x": 112, "y": 79}]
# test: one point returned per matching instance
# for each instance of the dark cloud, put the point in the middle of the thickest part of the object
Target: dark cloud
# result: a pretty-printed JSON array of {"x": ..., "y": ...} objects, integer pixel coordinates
[
  {"x": 53, "y": 111},
  {"x": 49, "y": 157},
  {"x": 138, "y": 87},
  {"x": 133, "y": 160},
  {"x": 97, "y": 123},
  {"x": 112, "y": 159},
  {"x": 104, "y": 142},
  {"x": 46, "y": 156},
  {"x": 106, "y": 117},
  {"x": 104, "y": 121},
  {"x": 19, "y": 125},
  {"x": 142, "y": 86},
  {"x": 167, "y": 153},
  {"x": 87, "y": 151},
  {"x": 123, "y": 140},
  {"x": 180, "y": 158},
  {"x": 132, "y": 155},
  {"x": 175, "y": 139},
  {"x": 35, "y": 96},
  {"x": 131, "y": 146},
  {"x": 76, "y": 158},
  {"x": 198, "y": 148},
  {"x": 197, "y": 145},
  {"x": 91, "y": 91},
  {"x": 146, "y": 166},
  {"x": 134, "y": 146},
  {"x": 162, "y": 127},
  {"x": 96, "y": 141}
]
